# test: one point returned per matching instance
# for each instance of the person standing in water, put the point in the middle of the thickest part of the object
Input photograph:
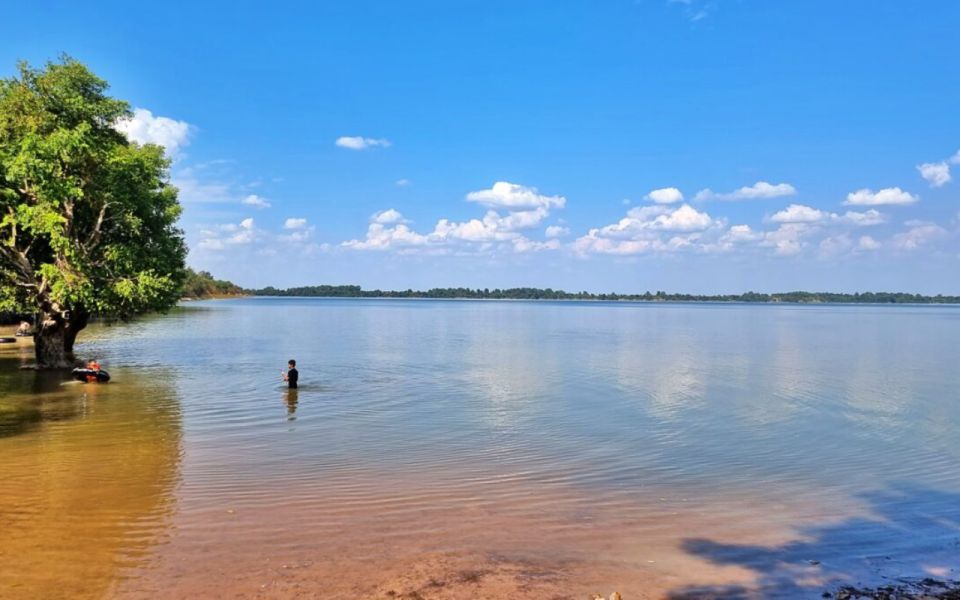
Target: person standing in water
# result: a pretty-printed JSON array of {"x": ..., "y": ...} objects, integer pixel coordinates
[{"x": 292, "y": 375}]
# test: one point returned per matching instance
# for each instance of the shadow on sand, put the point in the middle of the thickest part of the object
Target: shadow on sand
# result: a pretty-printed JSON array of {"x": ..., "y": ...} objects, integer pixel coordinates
[{"x": 910, "y": 541}]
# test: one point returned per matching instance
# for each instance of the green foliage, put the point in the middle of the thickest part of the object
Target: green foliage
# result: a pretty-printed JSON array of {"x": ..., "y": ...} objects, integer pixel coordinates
[
  {"x": 354, "y": 291},
  {"x": 203, "y": 285},
  {"x": 88, "y": 220}
]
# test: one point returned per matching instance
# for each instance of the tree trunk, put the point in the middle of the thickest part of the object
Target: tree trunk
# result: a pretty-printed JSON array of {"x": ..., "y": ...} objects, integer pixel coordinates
[
  {"x": 78, "y": 320},
  {"x": 49, "y": 343}
]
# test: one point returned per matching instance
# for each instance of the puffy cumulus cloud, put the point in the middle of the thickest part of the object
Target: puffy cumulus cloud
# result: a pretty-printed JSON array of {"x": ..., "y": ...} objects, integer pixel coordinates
[
  {"x": 759, "y": 190},
  {"x": 381, "y": 237},
  {"x": 356, "y": 142},
  {"x": 886, "y": 196},
  {"x": 555, "y": 231},
  {"x": 522, "y": 244},
  {"x": 788, "y": 239},
  {"x": 835, "y": 245},
  {"x": 219, "y": 237},
  {"x": 684, "y": 218},
  {"x": 799, "y": 213},
  {"x": 512, "y": 209},
  {"x": 387, "y": 217},
  {"x": 255, "y": 201},
  {"x": 145, "y": 128},
  {"x": 668, "y": 195},
  {"x": 493, "y": 226},
  {"x": 862, "y": 219},
  {"x": 936, "y": 174},
  {"x": 736, "y": 236},
  {"x": 511, "y": 196},
  {"x": 741, "y": 233},
  {"x": 867, "y": 243},
  {"x": 649, "y": 229},
  {"x": 245, "y": 233},
  {"x": 920, "y": 233}
]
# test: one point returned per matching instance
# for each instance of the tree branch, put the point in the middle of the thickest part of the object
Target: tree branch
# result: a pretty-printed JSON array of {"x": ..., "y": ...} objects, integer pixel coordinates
[{"x": 94, "y": 238}]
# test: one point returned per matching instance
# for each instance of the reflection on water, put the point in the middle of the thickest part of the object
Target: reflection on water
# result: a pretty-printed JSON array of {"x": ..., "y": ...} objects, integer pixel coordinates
[
  {"x": 560, "y": 448},
  {"x": 292, "y": 398},
  {"x": 87, "y": 481}
]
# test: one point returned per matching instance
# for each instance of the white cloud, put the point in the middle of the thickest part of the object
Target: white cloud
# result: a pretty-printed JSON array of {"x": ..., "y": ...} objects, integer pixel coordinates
[
  {"x": 936, "y": 174},
  {"x": 361, "y": 143},
  {"x": 921, "y": 233},
  {"x": 295, "y": 223},
  {"x": 522, "y": 244},
  {"x": 665, "y": 195},
  {"x": 788, "y": 239},
  {"x": 237, "y": 234},
  {"x": 256, "y": 201},
  {"x": 211, "y": 244},
  {"x": 387, "y": 217},
  {"x": 402, "y": 182},
  {"x": 798, "y": 213},
  {"x": 246, "y": 233},
  {"x": 683, "y": 218},
  {"x": 739, "y": 234},
  {"x": 515, "y": 197},
  {"x": 886, "y": 196},
  {"x": 519, "y": 207},
  {"x": 862, "y": 219},
  {"x": 555, "y": 231},
  {"x": 380, "y": 237},
  {"x": 490, "y": 229},
  {"x": 642, "y": 231},
  {"x": 868, "y": 243},
  {"x": 144, "y": 128},
  {"x": 955, "y": 159},
  {"x": 760, "y": 189},
  {"x": 835, "y": 245}
]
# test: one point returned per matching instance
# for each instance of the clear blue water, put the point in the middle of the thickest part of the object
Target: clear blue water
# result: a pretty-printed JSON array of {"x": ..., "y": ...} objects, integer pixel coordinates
[{"x": 834, "y": 427}]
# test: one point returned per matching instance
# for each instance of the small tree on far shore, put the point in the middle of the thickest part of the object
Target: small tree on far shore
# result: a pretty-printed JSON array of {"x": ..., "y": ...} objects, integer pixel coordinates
[{"x": 88, "y": 219}]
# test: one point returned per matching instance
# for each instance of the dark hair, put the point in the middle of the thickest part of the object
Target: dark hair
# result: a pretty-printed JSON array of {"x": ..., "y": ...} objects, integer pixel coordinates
[{"x": 292, "y": 362}]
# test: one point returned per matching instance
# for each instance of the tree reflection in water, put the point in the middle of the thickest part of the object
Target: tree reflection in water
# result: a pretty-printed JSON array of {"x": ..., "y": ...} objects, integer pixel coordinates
[{"x": 89, "y": 474}]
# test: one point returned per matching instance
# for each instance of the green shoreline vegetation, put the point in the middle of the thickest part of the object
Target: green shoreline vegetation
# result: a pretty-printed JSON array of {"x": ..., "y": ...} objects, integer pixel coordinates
[
  {"x": 526, "y": 293},
  {"x": 203, "y": 285}
]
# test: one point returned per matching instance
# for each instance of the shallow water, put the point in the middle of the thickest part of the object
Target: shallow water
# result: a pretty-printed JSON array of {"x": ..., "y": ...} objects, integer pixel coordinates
[{"x": 458, "y": 449}]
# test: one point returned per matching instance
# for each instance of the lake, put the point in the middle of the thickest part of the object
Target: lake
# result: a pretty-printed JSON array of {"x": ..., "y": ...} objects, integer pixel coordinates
[{"x": 453, "y": 449}]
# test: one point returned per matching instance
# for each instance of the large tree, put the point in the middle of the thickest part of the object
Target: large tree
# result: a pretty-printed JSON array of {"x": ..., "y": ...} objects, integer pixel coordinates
[{"x": 88, "y": 219}]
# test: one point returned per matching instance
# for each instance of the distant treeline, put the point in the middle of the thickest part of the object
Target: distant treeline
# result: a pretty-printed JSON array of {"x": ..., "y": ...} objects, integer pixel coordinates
[
  {"x": 203, "y": 285},
  {"x": 354, "y": 291}
]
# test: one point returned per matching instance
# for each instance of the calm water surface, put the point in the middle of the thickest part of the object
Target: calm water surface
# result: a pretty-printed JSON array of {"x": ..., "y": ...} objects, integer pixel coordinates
[{"x": 663, "y": 450}]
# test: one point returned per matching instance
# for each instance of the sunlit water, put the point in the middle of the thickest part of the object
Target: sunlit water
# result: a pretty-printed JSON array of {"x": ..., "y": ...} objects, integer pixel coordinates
[{"x": 659, "y": 449}]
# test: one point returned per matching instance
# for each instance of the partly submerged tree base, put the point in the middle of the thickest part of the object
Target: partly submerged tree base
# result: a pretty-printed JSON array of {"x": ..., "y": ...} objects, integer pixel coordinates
[{"x": 49, "y": 347}]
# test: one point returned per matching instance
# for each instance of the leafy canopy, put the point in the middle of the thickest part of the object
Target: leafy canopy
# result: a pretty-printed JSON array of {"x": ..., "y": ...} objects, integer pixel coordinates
[{"x": 88, "y": 219}]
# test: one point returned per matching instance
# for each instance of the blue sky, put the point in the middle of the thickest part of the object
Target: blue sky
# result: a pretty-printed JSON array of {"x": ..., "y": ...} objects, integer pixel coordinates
[{"x": 702, "y": 146}]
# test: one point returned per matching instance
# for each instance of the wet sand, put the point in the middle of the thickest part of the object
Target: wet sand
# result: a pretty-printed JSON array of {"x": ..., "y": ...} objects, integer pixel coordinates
[{"x": 388, "y": 538}]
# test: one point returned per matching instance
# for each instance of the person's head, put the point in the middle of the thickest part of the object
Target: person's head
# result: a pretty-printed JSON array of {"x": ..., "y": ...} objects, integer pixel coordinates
[{"x": 291, "y": 364}]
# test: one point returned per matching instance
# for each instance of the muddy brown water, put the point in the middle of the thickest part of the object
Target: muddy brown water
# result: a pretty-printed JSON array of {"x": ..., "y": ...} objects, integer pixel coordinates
[{"x": 488, "y": 450}]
